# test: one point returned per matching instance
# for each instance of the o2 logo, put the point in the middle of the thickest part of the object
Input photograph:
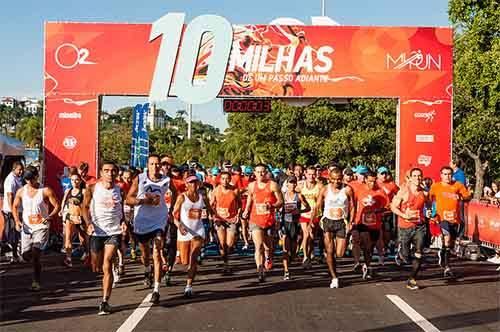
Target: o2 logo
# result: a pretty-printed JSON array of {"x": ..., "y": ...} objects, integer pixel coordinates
[
  {"x": 78, "y": 56},
  {"x": 69, "y": 142}
]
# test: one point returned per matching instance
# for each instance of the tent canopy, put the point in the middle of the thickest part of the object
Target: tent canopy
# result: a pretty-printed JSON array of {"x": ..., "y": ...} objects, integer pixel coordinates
[{"x": 10, "y": 146}]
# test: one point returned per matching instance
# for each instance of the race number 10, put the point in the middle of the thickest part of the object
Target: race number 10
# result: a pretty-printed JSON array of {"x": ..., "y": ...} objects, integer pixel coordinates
[{"x": 169, "y": 27}]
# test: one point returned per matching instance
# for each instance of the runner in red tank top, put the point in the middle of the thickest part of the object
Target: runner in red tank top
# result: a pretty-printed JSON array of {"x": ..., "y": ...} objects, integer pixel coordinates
[
  {"x": 264, "y": 197},
  {"x": 409, "y": 205},
  {"x": 247, "y": 179},
  {"x": 226, "y": 204}
]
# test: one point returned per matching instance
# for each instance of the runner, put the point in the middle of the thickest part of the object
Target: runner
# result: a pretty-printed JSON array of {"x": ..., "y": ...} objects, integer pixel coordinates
[
  {"x": 125, "y": 184},
  {"x": 12, "y": 183},
  {"x": 33, "y": 200},
  {"x": 408, "y": 205},
  {"x": 338, "y": 217},
  {"x": 249, "y": 177},
  {"x": 150, "y": 218},
  {"x": 103, "y": 214},
  {"x": 448, "y": 194},
  {"x": 357, "y": 183},
  {"x": 226, "y": 204},
  {"x": 294, "y": 204},
  {"x": 264, "y": 197},
  {"x": 370, "y": 204},
  {"x": 348, "y": 175},
  {"x": 72, "y": 217},
  {"x": 187, "y": 218},
  {"x": 309, "y": 220},
  {"x": 384, "y": 181},
  {"x": 83, "y": 170}
]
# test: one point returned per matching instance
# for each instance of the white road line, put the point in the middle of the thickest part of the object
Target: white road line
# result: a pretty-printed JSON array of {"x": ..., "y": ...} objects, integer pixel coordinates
[
  {"x": 414, "y": 316},
  {"x": 136, "y": 316}
]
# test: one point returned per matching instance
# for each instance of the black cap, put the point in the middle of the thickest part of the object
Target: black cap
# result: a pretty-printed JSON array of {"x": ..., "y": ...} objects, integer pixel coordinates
[{"x": 348, "y": 171}]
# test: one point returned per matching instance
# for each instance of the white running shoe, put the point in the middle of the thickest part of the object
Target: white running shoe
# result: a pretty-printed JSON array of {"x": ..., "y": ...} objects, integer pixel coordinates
[{"x": 334, "y": 283}]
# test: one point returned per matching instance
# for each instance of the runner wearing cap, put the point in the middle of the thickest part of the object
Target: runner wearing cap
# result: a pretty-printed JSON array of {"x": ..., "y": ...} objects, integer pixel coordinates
[
  {"x": 338, "y": 217},
  {"x": 370, "y": 204},
  {"x": 191, "y": 232},
  {"x": 150, "y": 218},
  {"x": 356, "y": 184},
  {"x": 34, "y": 224},
  {"x": 348, "y": 175},
  {"x": 385, "y": 182},
  {"x": 225, "y": 202},
  {"x": 294, "y": 204},
  {"x": 264, "y": 197},
  {"x": 448, "y": 194},
  {"x": 309, "y": 220},
  {"x": 248, "y": 177},
  {"x": 103, "y": 213},
  {"x": 408, "y": 205}
]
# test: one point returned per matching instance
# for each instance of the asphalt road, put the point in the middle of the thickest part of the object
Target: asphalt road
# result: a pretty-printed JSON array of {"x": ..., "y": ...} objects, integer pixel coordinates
[{"x": 69, "y": 298}]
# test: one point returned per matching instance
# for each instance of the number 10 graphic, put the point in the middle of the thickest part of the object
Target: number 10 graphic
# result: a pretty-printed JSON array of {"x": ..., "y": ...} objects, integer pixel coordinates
[{"x": 169, "y": 27}]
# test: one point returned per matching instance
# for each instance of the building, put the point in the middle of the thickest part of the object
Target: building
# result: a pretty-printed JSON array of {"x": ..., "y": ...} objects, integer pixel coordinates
[
  {"x": 30, "y": 105},
  {"x": 9, "y": 102},
  {"x": 155, "y": 118}
]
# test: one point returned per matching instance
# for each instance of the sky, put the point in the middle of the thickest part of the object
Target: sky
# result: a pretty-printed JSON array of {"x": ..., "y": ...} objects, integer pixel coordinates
[{"x": 21, "y": 31}]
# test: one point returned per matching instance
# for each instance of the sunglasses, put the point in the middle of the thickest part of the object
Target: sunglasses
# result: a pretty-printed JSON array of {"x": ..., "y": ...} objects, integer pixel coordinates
[{"x": 165, "y": 163}]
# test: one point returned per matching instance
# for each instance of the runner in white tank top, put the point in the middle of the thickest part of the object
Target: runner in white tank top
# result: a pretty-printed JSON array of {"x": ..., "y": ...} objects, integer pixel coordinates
[
  {"x": 338, "y": 208},
  {"x": 35, "y": 219},
  {"x": 102, "y": 211},
  {"x": 151, "y": 214},
  {"x": 191, "y": 233}
]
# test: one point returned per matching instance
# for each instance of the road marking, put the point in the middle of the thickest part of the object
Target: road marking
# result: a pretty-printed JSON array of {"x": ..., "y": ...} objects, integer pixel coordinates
[
  {"x": 136, "y": 316},
  {"x": 414, "y": 316}
]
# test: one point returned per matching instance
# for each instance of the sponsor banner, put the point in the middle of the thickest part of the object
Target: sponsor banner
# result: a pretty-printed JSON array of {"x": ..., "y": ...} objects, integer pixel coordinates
[
  {"x": 265, "y": 60},
  {"x": 247, "y": 105},
  {"x": 70, "y": 135},
  {"x": 140, "y": 137},
  {"x": 483, "y": 222}
]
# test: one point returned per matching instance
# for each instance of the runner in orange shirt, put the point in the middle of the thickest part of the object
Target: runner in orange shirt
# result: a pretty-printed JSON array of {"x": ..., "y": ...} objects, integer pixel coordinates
[
  {"x": 371, "y": 201},
  {"x": 227, "y": 205},
  {"x": 447, "y": 194}
]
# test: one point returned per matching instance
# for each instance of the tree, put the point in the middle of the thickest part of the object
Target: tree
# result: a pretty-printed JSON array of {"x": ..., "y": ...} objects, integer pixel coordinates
[
  {"x": 29, "y": 130},
  {"x": 477, "y": 86}
]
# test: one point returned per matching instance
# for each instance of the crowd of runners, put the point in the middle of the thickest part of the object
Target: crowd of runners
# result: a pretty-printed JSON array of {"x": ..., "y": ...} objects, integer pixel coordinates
[{"x": 170, "y": 213}]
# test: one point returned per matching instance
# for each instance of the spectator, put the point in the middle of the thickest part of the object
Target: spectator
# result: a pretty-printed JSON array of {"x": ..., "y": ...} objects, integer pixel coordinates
[
  {"x": 458, "y": 173},
  {"x": 492, "y": 194}
]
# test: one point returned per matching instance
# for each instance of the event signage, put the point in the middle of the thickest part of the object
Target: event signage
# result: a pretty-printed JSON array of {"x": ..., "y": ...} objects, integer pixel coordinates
[
  {"x": 209, "y": 58},
  {"x": 247, "y": 105},
  {"x": 140, "y": 137}
]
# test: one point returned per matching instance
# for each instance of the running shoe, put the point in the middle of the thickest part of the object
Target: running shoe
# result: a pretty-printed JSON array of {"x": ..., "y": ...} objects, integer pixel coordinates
[
  {"x": 167, "y": 279},
  {"x": 121, "y": 270},
  {"x": 133, "y": 255},
  {"x": 261, "y": 276},
  {"x": 35, "y": 286},
  {"x": 155, "y": 298},
  {"x": 269, "y": 264},
  {"x": 67, "y": 262},
  {"x": 381, "y": 259},
  {"x": 334, "y": 283},
  {"x": 306, "y": 263},
  {"x": 84, "y": 257},
  {"x": 188, "y": 291},
  {"x": 448, "y": 273},
  {"x": 440, "y": 258},
  {"x": 245, "y": 247},
  {"x": 397, "y": 259},
  {"x": 116, "y": 276},
  {"x": 357, "y": 267},
  {"x": 286, "y": 276},
  {"x": 366, "y": 272},
  {"x": 104, "y": 309},
  {"x": 412, "y": 284},
  {"x": 147, "y": 279}
]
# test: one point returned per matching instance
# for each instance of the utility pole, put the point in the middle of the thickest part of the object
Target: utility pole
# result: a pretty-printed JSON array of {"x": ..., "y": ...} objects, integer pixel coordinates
[
  {"x": 190, "y": 118},
  {"x": 323, "y": 9}
]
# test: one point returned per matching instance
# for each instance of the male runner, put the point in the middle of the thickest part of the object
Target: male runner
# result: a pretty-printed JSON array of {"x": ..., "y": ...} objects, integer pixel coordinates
[
  {"x": 12, "y": 183},
  {"x": 248, "y": 177},
  {"x": 370, "y": 204},
  {"x": 226, "y": 203},
  {"x": 264, "y": 197},
  {"x": 150, "y": 218},
  {"x": 385, "y": 182},
  {"x": 35, "y": 223},
  {"x": 357, "y": 183},
  {"x": 309, "y": 220},
  {"x": 408, "y": 205},
  {"x": 448, "y": 194},
  {"x": 338, "y": 217},
  {"x": 103, "y": 213}
]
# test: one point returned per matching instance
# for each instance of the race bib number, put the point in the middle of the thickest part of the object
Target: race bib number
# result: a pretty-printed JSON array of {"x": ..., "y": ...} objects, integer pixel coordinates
[
  {"x": 194, "y": 214},
  {"x": 336, "y": 213},
  {"x": 449, "y": 215},
  {"x": 223, "y": 212},
  {"x": 76, "y": 220},
  {"x": 35, "y": 219},
  {"x": 369, "y": 218},
  {"x": 290, "y": 207},
  {"x": 261, "y": 209}
]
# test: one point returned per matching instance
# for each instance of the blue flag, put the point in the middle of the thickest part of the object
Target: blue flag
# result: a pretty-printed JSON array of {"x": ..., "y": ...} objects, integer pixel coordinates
[{"x": 140, "y": 137}]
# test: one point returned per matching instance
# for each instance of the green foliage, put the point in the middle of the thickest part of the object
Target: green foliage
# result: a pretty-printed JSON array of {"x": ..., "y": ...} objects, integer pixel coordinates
[
  {"x": 477, "y": 83},
  {"x": 29, "y": 130}
]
